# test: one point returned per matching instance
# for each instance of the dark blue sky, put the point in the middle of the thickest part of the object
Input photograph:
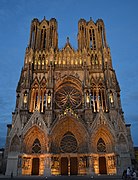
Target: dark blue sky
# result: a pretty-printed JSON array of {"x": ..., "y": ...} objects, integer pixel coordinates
[{"x": 121, "y": 23}]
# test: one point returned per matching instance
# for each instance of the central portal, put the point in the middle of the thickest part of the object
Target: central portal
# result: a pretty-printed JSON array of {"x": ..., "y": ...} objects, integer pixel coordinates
[{"x": 69, "y": 166}]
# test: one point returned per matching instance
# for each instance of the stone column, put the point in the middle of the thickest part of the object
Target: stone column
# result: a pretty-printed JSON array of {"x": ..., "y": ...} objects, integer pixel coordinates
[{"x": 47, "y": 170}]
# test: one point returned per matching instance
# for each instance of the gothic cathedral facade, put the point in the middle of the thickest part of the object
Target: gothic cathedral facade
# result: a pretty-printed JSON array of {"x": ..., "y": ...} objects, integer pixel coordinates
[{"x": 68, "y": 118}]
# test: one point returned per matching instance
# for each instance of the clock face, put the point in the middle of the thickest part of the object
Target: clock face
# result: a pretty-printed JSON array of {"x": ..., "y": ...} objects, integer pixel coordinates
[{"x": 68, "y": 94}]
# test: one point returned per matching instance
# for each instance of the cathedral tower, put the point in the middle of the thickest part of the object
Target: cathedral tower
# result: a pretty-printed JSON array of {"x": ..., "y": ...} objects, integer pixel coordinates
[{"x": 68, "y": 117}]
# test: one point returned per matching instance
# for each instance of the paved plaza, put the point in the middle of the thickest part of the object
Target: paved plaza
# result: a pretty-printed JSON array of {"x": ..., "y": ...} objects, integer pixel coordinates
[{"x": 62, "y": 177}]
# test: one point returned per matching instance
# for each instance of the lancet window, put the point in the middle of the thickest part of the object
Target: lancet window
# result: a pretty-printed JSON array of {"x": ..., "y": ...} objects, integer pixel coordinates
[
  {"x": 33, "y": 36},
  {"x": 38, "y": 98},
  {"x": 111, "y": 98},
  {"x": 92, "y": 38},
  {"x": 51, "y": 35},
  {"x": 40, "y": 61},
  {"x": 42, "y": 100},
  {"x": 98, "y": 97},
  {"x": 25, "y": 97},
  {"x": 43, "y": 61},
  {"x": 34, "y": 97},
  {"x": 44, "y": 42},
  {"x": 94, "y": 59},
  {"x": 43, "y": 37},
  {"x": 102, "y": 34}
]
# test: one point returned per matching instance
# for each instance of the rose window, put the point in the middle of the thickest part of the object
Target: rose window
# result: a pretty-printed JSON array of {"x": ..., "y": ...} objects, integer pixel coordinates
[
  {"x": 68, "y": 143},
  {"x": 68, "y": 94}
]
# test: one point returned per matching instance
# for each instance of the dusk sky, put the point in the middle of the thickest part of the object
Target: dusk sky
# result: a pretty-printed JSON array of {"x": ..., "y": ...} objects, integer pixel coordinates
[{"x": 121, "y": 23}]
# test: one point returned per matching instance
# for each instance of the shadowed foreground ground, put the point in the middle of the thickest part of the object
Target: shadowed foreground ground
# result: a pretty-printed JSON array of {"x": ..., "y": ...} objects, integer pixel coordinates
[{"x": 62, "y": 177}]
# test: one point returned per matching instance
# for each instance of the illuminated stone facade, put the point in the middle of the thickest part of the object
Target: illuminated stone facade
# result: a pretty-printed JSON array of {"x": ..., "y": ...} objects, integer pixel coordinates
[{"x": 68, "y": 117}]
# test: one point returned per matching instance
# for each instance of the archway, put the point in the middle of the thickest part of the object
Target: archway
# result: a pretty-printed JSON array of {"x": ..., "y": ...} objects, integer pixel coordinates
[
  {"x": 103, "y": 144},
  {"x": 36, "y": 138},
  {"x": 68, "y": 144},
  {"x": 68, "y": 139}
]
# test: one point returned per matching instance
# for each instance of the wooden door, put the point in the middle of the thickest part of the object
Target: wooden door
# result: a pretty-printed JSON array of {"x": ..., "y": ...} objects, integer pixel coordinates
[
  {"x": 35, "y": 166},
  {"x": 64, "y": 166},
  {"x": 73, "y": 166},
  {"x": 102, "y": 165}
]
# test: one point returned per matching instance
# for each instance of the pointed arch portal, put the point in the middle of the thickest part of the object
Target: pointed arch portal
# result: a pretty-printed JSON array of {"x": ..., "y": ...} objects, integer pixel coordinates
[{"x": 69, "y": 165}]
